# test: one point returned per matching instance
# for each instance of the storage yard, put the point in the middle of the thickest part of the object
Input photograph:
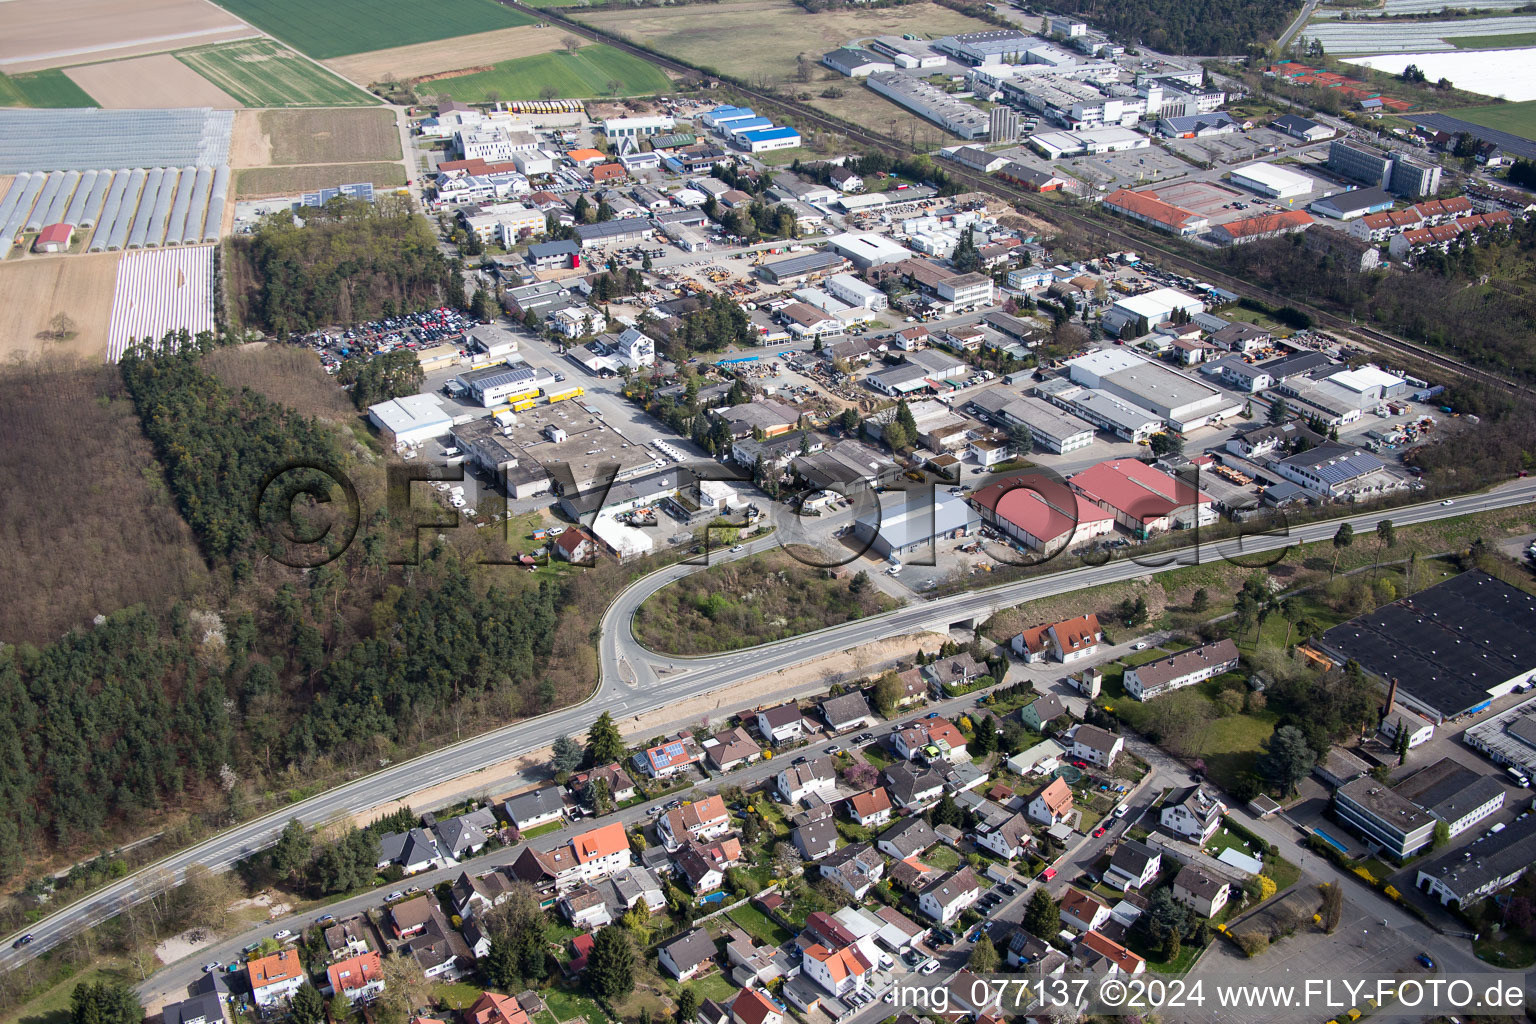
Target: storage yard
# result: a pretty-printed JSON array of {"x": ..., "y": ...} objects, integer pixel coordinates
[
  {"x": 158, "y": 292},
  {"x": 55, "y": 33}
]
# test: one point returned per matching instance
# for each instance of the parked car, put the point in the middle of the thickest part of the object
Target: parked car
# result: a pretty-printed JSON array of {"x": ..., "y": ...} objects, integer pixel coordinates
[
  {"x": 325, "y": 919},
  {"x": 282, "y": 935},
  {"x": 929, "y": 967},
  {"x": 396, "y": 895},
  {"x": 1424, "y": 959},
  {"x": 209, "y": 968}
]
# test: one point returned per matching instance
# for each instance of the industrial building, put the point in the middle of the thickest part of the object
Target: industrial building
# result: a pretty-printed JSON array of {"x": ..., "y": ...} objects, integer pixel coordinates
[
  {"x": 1125, "y": 420},
  {"x": 997, "y": 46},
  {"x": 1394, "y": 172},
  {"x": 1453, "y": 793},
  {"x": 931, "y": 103},
  {"x": 1452, "y": 647},
  {"x": 855, "y": 62},
  {"x": 1495, "y": 861},
  {"x": 795, "y": 269},
  {"x": 1271, "y": 180},
  {"x": 1142, "y": 499},
  {"x": 1508, "y": 739},
  {"x": 904, "y": 524},
  {"x": 765, "y": 140},
  {"x": 1183, "y": 402},
  {"x": 616, "y": 128},
  {"x": 1053, "y": 429},
  {"x": 1385, "y": 820},
  {"x": 1197, "y": 126},
  {"x": 1056, "y": 145},
  {"x": 908, "y": 53},
  {"x": 413, "y": 419},
  {"x": 1148, "y": 209},
  {"x": 1355, "y": 203},
  {"x": 1305, "y": 129},
  {"x": 865, "y": 249},
  {"x": 1041, "y": 513},
  {"x": 1157, "y": 306}
]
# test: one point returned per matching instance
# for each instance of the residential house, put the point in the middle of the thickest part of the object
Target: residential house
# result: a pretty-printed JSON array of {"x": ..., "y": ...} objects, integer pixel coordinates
[
  {"x": 703, "y": 865},
  {"x": 588, "y": 857},
  {"x": 620, "y": 786},
  {"x": 845, "y": 180},
  {"x": 912, "y": 875},
  {"x": 782, "y": 724},
  {"x": 1051, "y": 803},
  {"x": 1066, "y": 641},
  {"x": 202, "y": 1008},
  {"x": 929, "y": 739},
  {"x": 1133, "y": 866},
  {"x": 839, "y": 971},
  {"x": 347, "y": 938},
  {"x": 961, "y": 776},
  {"x": 871, "y": 809},
  {"x": 1205, "y": 894},
  {"x": 495, "y": 1008},
  {"x": 539, "y": 807},
  {"x": 477, "y": 937},
  {"x": 1184, "y": 668},
  {"x": 1081, "y": 911},
  {"x": 699, "y": 821},
  {"x": 952, "y": 673},
  {"x": 668, "y": 759},
  {"x": 358, "y": 979},
  {"x": 409, "y": 918},
  {"x": 946, "y": 898},
  {"x": 815, "y": 839},
  {"x": 1009, "y": 840},
  {"x": 1194, "y": 813},
  {"x": 731, "y": 748},
  {"x": 466, "y": 834},
  {"x": 1102, "y": 955},
  {"x": 849, "y": 711},
  {"x": 751, "y": 964},
  {"x": 1096, "y": 746},
  {"x": 584, "y": 907},
  {"x": 797, "y": 781},
  {"x": 576, "y": 546},
  {"x": 470, "y": 895},
  {"x": 913, "y": 788},
  {"x": 688, "y": 955},
  {"x": 909, "y": 837},
  {"x": 414, "y": 851},
  {"x": 1042, "y": 710},
  {"x": 855, "y": 868},
  {"x": 754, "y": 1006},
  {"x": 274, "y": 979}
]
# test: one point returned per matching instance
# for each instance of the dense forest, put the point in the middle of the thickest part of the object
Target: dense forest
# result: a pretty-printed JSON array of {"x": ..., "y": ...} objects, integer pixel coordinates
[
  {"x": 275, "y": 676},
  {"x": 350, "y": 261},
  {"x": 1205, "y": 27}
]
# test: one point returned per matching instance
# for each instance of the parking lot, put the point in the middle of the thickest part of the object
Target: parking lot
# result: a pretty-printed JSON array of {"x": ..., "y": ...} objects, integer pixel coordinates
[{"x": 1236, "y": 147}]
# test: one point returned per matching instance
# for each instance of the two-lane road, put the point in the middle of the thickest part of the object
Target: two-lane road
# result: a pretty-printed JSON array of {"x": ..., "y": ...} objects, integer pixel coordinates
[{"x": 681, "y": 679}]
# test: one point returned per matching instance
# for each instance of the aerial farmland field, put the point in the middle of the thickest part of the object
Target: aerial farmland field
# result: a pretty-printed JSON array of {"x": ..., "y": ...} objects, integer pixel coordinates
[
  {"x": 42, "y": 89},
  {"x": 159, "y": 80},
  {"x": 339, "y": 27},
  {"x": 580, "y": 75},
  {"x": 264, "y": 73}
]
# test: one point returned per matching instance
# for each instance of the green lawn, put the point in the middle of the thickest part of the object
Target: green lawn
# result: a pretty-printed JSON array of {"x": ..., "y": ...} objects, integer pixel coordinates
[
  {"x": 1512, "y": 41},
  {"x": 544, "y": 829},
  {"x": 714, "y": 986},
  {"x": 567, "y": 1005},
  {"x": 51, "y": 88},
  {"x": 1515, "y": 118},
  {"x": 759, "y": 925},
  {"x": 51, "y": 1006},
  {"x": 456, "y": 995},
  {"x": 1510, "y": 951},
  {"x": 585, "y": 73},
  {"x": 941, "y": 858},
  {"x": 339, "y": 27},
  {"x": 263, "y": 73}
]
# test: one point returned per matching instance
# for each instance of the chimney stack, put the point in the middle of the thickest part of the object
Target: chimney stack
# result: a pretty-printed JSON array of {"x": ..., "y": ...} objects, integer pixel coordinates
[{"x": 1391, "y": 698}]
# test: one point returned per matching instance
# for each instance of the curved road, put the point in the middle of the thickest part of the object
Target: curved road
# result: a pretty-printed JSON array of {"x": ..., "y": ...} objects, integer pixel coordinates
[{"x": 634, "y": 680}]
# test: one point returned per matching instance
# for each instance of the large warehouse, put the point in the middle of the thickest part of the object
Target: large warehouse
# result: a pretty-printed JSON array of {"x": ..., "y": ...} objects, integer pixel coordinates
[
  {"x": 1142, "y": 499},
  {"x": 1272, "y": 181},
  {"x": 1053, "y": 429},
  {"x": 412, "y": 419},
  {"x": 867, "y": 249},
  {"x": 1043, "y": 514},
  {"x": 1452, "y": 647},
  {"x": 904, "y": 524},
  {"x": 1183, "y": 402}
]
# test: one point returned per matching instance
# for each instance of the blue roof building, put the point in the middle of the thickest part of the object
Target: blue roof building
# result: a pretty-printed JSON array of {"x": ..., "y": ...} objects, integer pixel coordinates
[{"x": 766, "y": 139}]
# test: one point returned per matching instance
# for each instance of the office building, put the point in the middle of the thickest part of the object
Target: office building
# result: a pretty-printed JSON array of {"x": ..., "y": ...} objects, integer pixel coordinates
[
  {"x": 1359, "y": 163},
  {"x": 1385, "y": 820}
]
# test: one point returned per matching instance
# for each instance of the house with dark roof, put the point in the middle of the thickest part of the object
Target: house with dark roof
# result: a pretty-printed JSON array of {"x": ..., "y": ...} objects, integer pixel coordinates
[
  {"x": 1181, "y": 669},
  {"x": 688, "y": 955},
  {"x": 911, "y": 787},
  {"x": 797, "y": 781},
  {"x": 1043, "y": 709},
  {"x": 907, "y": 838},
  {"x": 948, "y": 897},
  {"x": 1133, "y": 866},
  {"x": 815, "y": 839},
  {"x": 1193, "y": 813},
  {"x": 1493, "y": 862},
  {"x": 1205, "y": 894},
  {"x": 538, "y": 807},
  {"x": 1096, "y": 746},
  {"x": 1009, "y": 840},
  {"x": 782, "y": 724},
  {"x": 1453, "y": 793},
  {"x": 412, "y": 851},
  {"x": 848, "y": 711},
  {"x": 855, "y": 868},
  {"x": 731, "y": 748}
]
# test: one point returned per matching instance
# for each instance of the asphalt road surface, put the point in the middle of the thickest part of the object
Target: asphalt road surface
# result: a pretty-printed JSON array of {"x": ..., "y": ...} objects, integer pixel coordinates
[{"x": 634, "y": 680}]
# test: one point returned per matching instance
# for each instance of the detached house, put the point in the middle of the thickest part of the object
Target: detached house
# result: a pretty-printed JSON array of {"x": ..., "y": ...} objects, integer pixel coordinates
[
  {"x": 1133, "y": 866},
  {"x": 1081, "y": 911},
  {"x": 731, "y": 748},
  {"x": 620, "y": 786},
  {"x": 754, "y": 1006},
  {"x": 1102, "y": 955},
  {"x": 1066, "y": 641},
  {"x": 1096, "y": 746},
  {"x": 465, "y": 835},
  {"x": 953, "y": 672},
  {"x": 871, "y": 809},
  {"x": 1194, "y": 813},
  {"x": 931, "y": 739},
  {"x": 1051, "y": 804},
  {"x": 948, "y": 897},
  {"x": 667, "y": 759},
  {"x": 274, "y": 979},
  {"x": 530, "y": 810},
  {"x": 357, "y": 980},
  {"x": 1203, "y": 893},
  {"x": 1009, "y": 840},
  {"x": 849, "y": 711},
  {"x": 855, "y": 868},
  {"x": 688, "y": 955},
  {"x": 699, "y": 821},
  {"x": 816, "y": 776},
  {"x": 347, "y": 938},
  {"x": 471, "y": 895},
  {"x": 589, "y": 856},
  {"x": 1041, "y": 710},
  {"x": 412, "y": 851},
  {"x": 782, "y": 724},
  {"x": 913, "y": 788},
  {"x": 815, "y": 839},
  {"x": 703, "y": 865},
  {"x": 907, "y": 838},
  {"x": 840, "y": 971}
]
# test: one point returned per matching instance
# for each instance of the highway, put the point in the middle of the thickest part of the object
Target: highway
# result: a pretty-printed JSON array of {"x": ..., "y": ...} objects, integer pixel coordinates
[{"x": 635, "y": 680}]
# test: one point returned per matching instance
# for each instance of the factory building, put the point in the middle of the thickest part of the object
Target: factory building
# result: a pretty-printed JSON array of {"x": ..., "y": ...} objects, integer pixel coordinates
[
  {"x": 932, "y": 103},
  {"x": 1183, "y": 402}
]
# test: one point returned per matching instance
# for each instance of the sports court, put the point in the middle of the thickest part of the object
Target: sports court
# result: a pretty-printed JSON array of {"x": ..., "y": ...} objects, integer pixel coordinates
[{"x": 1202, "y": 197}]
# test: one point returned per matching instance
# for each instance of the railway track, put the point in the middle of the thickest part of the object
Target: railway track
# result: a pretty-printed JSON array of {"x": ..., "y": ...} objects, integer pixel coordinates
[{"x": 1116, "y": 235}]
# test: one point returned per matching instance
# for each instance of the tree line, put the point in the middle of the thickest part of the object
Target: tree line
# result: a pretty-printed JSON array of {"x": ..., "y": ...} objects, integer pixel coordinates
[{"x": 1187, "y": 26}]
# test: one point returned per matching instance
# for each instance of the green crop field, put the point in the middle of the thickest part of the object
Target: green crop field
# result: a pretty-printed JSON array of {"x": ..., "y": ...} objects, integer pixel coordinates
[
  {"x": 340, "y": 27},
  {"x": 1515, "y": 118},
  {"x": 1514, "y": 41},
  {"x": 50, "y": 88},
  {"x": 585, "y": 73},
  {"x": 263, "y": 73}
]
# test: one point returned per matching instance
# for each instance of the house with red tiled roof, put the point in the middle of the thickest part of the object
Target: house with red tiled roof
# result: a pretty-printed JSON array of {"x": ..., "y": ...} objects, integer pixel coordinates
[
  {"x": 870, "y": 809},
  {"x": 940, "y": 734},
  {"x": 1260, "y": 226},
  {"x": 754, "y": 1006},
  {"x": 358, "y": 979},
  {"x": 1068, "y": 640},
  {"x": 275, "y": 978},
  {"x": 1102, "y": 955},
  {"x": 495, "y": 1008},
  {"x": 1051, "y": 803},
  {"x": 839, "y": 971},
  {"x": 1081, "y": 911}
]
